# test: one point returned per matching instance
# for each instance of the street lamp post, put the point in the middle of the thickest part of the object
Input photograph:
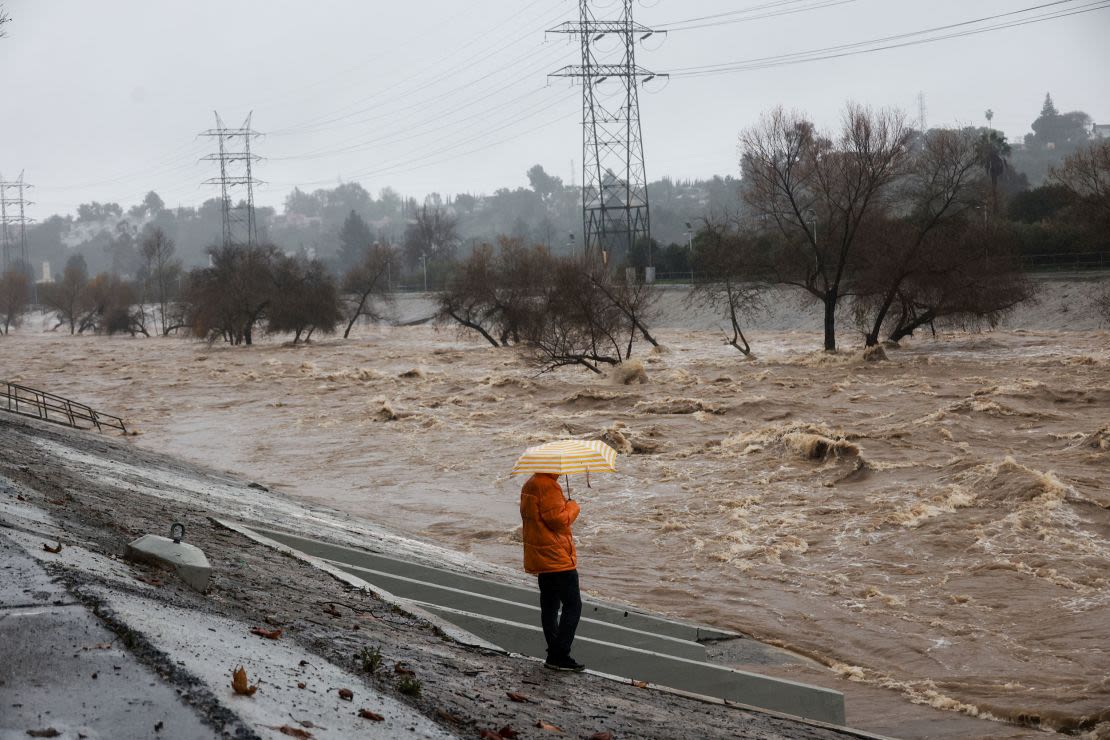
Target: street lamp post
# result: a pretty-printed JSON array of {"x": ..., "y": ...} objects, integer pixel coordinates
[{"x": 424, "y": 263}]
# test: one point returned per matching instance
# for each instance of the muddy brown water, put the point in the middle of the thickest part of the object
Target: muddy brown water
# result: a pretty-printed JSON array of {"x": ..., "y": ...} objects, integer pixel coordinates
[{"x": 950, "y": 546}]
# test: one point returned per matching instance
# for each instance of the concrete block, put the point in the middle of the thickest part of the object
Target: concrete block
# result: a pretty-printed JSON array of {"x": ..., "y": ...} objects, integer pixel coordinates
[{"x": 188, "y": 560}]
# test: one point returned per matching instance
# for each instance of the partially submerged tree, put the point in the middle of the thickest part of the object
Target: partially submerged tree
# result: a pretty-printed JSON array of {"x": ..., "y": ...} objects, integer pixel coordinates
[
  {"x": 111, "y": 306},
  {"x": 367, "y": 283},
  {"x": 305, "y": 299},
  {"x": 971, "y": 279},
  {"x": 934, "y": 203},
  {"x": 496, "y": 290},
  {"x": 66, "y": 297},
  {"x": 229, "y": 299},
  {"x": 15, "y": 294},
  {"x": 577, "y": 323},
  {"x": 161, "y": 276},
  {"x": 729, "y": 258},
  {"x": 816, "y": 192}
]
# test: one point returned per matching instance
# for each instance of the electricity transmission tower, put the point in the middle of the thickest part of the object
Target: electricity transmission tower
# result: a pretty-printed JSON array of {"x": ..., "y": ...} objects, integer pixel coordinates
[
  {"x": 615, "y": 214},
  {"x": 12, "y": 214},
  {"x": 236, "y": 165}
]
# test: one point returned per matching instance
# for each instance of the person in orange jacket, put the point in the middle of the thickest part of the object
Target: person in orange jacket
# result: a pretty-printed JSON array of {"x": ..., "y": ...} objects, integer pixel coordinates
[{"x": 549, "y": 554}]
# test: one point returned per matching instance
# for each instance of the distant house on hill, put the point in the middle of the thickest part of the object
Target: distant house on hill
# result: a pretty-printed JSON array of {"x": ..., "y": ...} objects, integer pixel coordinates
[{"x": 1100, "y": 131}]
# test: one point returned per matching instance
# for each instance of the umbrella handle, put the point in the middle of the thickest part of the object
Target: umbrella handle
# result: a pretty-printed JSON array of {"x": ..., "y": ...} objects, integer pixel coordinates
[{"x": 567, "y": 479}]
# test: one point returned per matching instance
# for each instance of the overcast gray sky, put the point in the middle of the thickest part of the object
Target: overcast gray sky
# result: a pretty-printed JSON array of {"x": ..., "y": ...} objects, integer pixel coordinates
[{"x": 104, "y": 100}]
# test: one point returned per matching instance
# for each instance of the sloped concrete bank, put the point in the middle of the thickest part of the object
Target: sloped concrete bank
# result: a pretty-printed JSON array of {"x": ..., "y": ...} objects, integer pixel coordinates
[{"x": 93, "y": 495}]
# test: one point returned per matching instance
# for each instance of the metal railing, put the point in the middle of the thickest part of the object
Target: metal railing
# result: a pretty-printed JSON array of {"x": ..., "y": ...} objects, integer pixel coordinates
[{"x": 19, "y": 399}]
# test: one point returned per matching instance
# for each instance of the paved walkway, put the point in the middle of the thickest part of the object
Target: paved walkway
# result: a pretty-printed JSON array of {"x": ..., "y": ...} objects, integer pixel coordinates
[{"x": 61, "y": 669}]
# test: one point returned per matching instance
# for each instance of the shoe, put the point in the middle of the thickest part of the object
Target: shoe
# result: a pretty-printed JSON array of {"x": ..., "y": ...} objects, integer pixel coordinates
[{"x": 564, "y": 664}]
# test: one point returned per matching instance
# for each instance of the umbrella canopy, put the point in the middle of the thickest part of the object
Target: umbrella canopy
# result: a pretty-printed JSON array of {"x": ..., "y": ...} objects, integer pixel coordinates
[{"x": 567, "y": 456}]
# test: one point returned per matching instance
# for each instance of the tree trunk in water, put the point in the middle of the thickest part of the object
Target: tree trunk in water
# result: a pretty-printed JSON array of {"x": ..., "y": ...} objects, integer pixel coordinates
[{"x": 830, "y": 321}]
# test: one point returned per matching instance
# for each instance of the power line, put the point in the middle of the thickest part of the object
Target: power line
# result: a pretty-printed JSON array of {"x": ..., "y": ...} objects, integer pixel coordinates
[
  {"x": 895, "y": 41},
  {"x": 319, "y": 121},
  {"x": 690, "y": 26}
]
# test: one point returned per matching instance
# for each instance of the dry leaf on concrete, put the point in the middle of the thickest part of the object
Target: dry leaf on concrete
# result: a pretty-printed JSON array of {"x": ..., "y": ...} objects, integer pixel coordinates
[
  {"x": 240, "y": 684},
  {"x": 548, "y": 726}
]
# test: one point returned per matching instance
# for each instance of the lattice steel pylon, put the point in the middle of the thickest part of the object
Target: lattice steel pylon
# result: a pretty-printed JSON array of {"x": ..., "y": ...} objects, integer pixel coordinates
[
  {"x": 13, "y": 213},
  {"x": 236, "y": 170},
  {"x": 615, "y": 211}
]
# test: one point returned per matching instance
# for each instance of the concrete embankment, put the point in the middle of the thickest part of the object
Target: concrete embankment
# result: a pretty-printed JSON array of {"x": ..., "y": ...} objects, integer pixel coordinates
[{"x": 114, "y": 648}]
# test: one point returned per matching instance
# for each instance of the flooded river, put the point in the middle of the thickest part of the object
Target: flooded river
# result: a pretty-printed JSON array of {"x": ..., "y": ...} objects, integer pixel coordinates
[{"x": 932, "y": 526}]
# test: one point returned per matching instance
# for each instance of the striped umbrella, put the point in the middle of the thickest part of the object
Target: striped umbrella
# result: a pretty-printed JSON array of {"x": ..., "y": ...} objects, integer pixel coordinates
[{"x": 566, "y": 456}]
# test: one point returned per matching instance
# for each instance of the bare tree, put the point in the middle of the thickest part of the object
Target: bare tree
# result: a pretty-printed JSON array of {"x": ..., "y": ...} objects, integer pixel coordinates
[
  {"x": 368, "y": 281},
  {"x": 495, "y": 291},
  {"x": 1086, "y": 174},
  {"x": 817, "y": 192},
  {"x": 942, "y": 186},
  {"x": 636, "y": 300},
  {"x": 15, "y": 293},
  {"x": 970, "y": 279},
  {"x": 66, "y": 297},
  {"x": 161, "y": 273},
  {"x": 734, "y": 284},
  {"x": 432, "y": 234},
  {"x": 305, "y": 299},
  {"x": 5, "y": 19},
  {"x": 229, "y": 299},
  {"x": 110, "y": 305},
  {"x": 577, "y": 323}
]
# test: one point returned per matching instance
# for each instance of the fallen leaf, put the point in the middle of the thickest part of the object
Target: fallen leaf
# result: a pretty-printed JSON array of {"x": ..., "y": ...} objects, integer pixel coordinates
[
  {"x": 151, "y": 581},
  {"x": 239, "y": 682},
  {"x": 158, "y": 726},
  {"x": 56, "y": 502},
  {"x": 640, "y": 684},
  {"x": 367, "y": 714},
  {"x": 399, "y": 668},
  {"x": 301, "y": 684},
  {"x": 517, "y": 697},
  {"x": 307, "y": 723},
  {"x": 268, "y": 634},
  {"x": 489, "y": 735},
  {"x": 601, "y": 736},
  {"x": 447, "y": 716},
  {"x": 508, "y": 732},
  {"x": 346, "y": 694},
  {"x": 291, "y": 731},
  {"x": 48, "y": 732},
  {"x": 548, "y": 726},
  {"x": 56, "y": 549}
]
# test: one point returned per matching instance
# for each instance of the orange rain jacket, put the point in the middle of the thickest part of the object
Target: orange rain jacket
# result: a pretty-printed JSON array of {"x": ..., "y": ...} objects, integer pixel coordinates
[{"x": 547, "y": 516}]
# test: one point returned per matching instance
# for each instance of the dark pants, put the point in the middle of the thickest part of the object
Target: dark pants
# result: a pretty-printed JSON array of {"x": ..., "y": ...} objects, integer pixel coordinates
[{"x": 559, "y": 590}]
